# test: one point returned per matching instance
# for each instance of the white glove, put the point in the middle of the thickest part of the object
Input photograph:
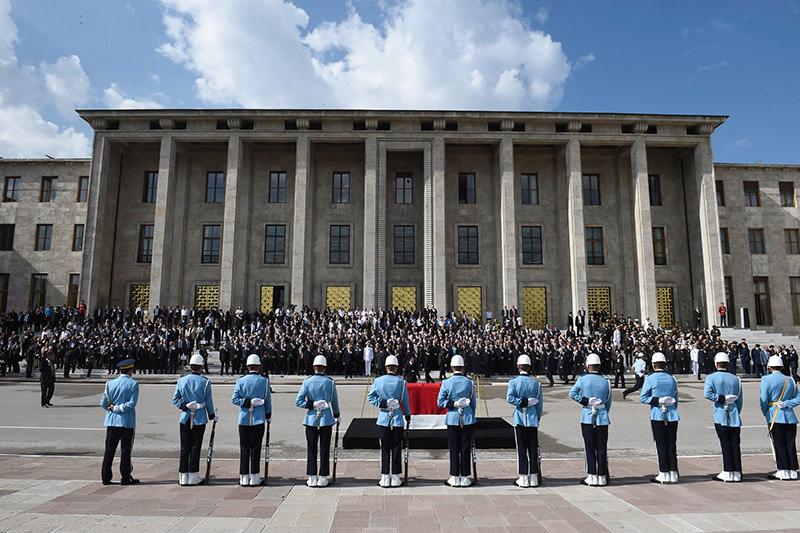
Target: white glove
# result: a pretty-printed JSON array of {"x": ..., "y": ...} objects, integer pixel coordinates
[
  {"x": 257, "y": 402},
  {"x": 461, "y": 402},
  {"x": 532, "y": 401},
  {"x": 595, "y": 401},
  {"x": 731, "y": 398},
  {"x": 321, "y": 405},
  {"x": 392, "y": 403},
  {"x": 339, "y": 420},
  {"x": 666, "y": 401},
  {"x": 215, "y": 419},
  {"x": 781, "y": 404},
  {"x": 193, "y": 406}
]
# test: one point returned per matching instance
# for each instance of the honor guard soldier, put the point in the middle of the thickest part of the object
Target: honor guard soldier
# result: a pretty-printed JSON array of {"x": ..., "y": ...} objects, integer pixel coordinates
[
  {"x": 390, "y": 394},
  {"x": 193, "y": 397},
  {"x": 525, "y": 394},
  {"x": 660, "y": 391},
  {"x": 457, "y": 394},
  {"x": 779, "y": 397},
  {"x": 318, "y": 396},
  {"x": 593, "y": 392},
  {"x": 725, "y": 390},
  {"x": 119, "y": 400},
  {"x": 253, "y": 396}
]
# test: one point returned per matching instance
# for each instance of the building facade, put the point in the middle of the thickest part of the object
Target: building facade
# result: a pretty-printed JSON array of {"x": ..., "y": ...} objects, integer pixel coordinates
[{"x": 465, "y": 211}]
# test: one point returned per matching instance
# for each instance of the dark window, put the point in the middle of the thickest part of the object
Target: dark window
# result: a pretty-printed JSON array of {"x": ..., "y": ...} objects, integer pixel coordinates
[
  {"x": 531, "y": 245},
  {"x": 594, "y": 246},
  {"x": 48, "y": 192},
  {"x": 211, "y": 243},
  {"x": 654, "y": 186},
  {"x": 794, "y": 291},
  {"x": 38, "y": 291},
  {"x": 145, "y": 254},
  {"x": 6, "y": 236},
  {"x": 752, "y": 196},
  {"x": 403, "y": 185},
  {"x": 730, "y": 303},
  {"x": 44, "y": 236},
  {"x": 150, "y": 187},
  {"x": 11, "y": 190},
  {"x": 756, "y": 236},
  {"x": 215, "y": 187},
  {"x": 83, "y": 188},
  {"x": 466, "y": 188},
  {"x": 3, "y": 292},
  {"x": 341, "y": 188},
  {"x": 404, "y": 245},
  {"x": 724, "y": 243},
  {"x": 792, "y": 237},
  {"x": 339, "y": 250},
  {"x": 530, "y": 189},
  {"x": 591, "y": 189},
  {"x": 275, "y": 244},
  {"x": 468, "y": 245},
  {"x": 277, "y": 188},
  {"x": 787, "y": 193},
  {"x": 762, "y": 303},
  {"x": 73, "y": 289},
  {"x": 77, "y": 238},
  {"x": 720, "y": 193},
  {"x": 659, "y": 246}
]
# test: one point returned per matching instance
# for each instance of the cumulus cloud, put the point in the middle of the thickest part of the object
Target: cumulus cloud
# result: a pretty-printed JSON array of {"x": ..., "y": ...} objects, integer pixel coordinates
[
  {"x": 542, "y": 14},
  {"x": 67, "y": 84},
  {"x": 258, "y": 53},
  {"x": 114, "y": 98},
  {"x": 584, "y": 60}
]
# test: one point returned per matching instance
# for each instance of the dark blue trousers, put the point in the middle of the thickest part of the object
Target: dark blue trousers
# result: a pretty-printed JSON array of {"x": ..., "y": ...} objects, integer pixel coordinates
[{"x": 460, "y": 441}]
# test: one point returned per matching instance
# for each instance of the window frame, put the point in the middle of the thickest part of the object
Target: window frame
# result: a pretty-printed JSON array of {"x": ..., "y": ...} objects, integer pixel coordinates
[
  {"x": 529, "y": 188},
  {"x": 468, "y": 236},
  {"x": 592, "y": 242},
  {"x": 5, "y": 281},
  {"x": 215, "y": 191},
  {"x": 794, "y": 296},
  {"x": 404, "y": 241},
  {"x": 343, "y": 256},
  {"x": 756, "y": 238},
  {"x": 591, "y": 189},
  {"x": 47, "y": 194},
  {"x": 724, "y": 241},
  {"x": 144, "y": 250},
  {"x": 274, "y": 248},
  {"x": 467, "y": 187},
  {"x": 150, "y": 187},
  {"x": 654, "y": 189},
  {"x": 78, "y": 237},
  {"x": 277, "y": 187},
  {"x": 752, "y": 193},
  {"x": 73, "y": 289},
  {"x": 786, "y": 191},
  {"x": 659, "y": 246},
  {"x": 530, "y": 242},
  {"x": 7, "y": 232},
  {"x": 36, "y": 293},
  {"x": 719, "y": 187},
  {"x": 340, "y": 191},
  {"x": 83, "y": 189},
  {"x": 763, "y": 313},
  {"x": 44, "y": 241},
  {"x": 14, "y": 181},
  {"x": 791, "y": 237},
  {"x": 404, "y": 188},
  {"x": 212, "y": 244}
]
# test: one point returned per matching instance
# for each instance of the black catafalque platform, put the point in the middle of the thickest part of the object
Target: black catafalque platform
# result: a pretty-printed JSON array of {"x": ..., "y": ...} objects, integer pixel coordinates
[{"x": 489, "y": 433}]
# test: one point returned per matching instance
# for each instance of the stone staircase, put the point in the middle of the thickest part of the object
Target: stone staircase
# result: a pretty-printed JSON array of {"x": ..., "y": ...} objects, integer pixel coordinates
[{"x": 764, "y": 338}]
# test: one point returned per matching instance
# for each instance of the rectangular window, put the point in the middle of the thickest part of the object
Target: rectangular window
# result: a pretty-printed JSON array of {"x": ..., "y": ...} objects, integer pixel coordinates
[
  {"x": 403, "y": 186},
  {"x": 594, "y": 246},
  {"x": 530, "y": 189},
  {"x": 3, "y": 292},
  {"x": 145, "y": 253},
  {"x": 38, "y": 291},
  {"x": 654, "y": 186},
  {"x": 752, "y": 197},
  {"x": 211, "y": 243},
  {"x": 48, "y": 192},
  {"x": 6, "y": 237},
  {"x": 729, "y": 301},
  {"x": 468, "y": 245},
  {"x": 591, "y": 189},
  {"x": 724, "y": 242},
  {"x": 277, "y": 187},
  {"x": 404, "y": 245},
  {"x": 762, "y": 303},
  {"x": 215, "y": 187},
  {"x": 275, "y": 244},
  {"x": 531, "y": 245},
  {"x": 341, "y": 187},
  {"x": 77, "y": 238},
  {"x": 73, "y": 289},
  {"x": 11, "y": 189},
  {"x": 794, "y": 291},
  {"x": 466, "y": 188},
  {"x": 150, "y": 191},
  {"x": 756, "y": 236},
  {"x": 720, "y": 193},
  {"x": 44, "y": 237},
  {"x": 83, "y": 188},
  {"x": 659, "y": 246},
  {"x": 339, "y": 249},
  {"x": 792, "y": 236},
  {"x": 787, "y": 193}
]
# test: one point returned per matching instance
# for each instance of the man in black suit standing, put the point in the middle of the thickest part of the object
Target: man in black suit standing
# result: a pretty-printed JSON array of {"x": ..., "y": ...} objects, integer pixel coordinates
[
  {"x": 580, "y": 321},
  {"x": 47, "y": 378}
]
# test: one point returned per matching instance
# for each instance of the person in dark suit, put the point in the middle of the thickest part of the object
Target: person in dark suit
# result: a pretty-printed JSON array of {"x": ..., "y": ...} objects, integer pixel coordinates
[
  {"x": 47, "y": 378},
  {"x": 580, "y": 321}
]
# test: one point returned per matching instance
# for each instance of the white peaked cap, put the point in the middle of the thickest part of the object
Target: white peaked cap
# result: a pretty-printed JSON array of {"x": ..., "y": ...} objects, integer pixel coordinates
[
  {"x": 320, "y": 361},
  {"x": 721, "y": 357},
  {"x": 197, "y": 359},
  {"x": 523, "y": 359},
  {"x": 775, "y": 361},
  {"x": 592, "y": 359},
  {"x": 658, "y": 357},
  {"x": 391, "y": 360},
  {"x": 457, "y": 360},
  {"x": 640, "y": 355},
  {"x": 253, "y": 359}
]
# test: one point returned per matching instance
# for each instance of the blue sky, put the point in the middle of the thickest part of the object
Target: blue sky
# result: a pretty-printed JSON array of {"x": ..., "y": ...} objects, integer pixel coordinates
[{"x": 737, "y": 58}]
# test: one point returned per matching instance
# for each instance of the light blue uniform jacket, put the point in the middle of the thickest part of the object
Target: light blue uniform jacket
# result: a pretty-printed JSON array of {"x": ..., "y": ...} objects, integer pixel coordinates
[
  {"x": 384, "y": 388},
  {"x": 194, "y": 388},
  {"x": 520, "y": 389},
  {"x": 771, "y": 387},
  {"x": 123, "y": 393},
  {"x": 248, "y": 387},
  {"x": 717, "y": 386},
  {"x": 318, "y": 387},
  {"x": 639, "y": 366},
  {"x": 657, "y": 385},
  {"x": 453, "y": 388},
  {"x": 593, "y": 386}
]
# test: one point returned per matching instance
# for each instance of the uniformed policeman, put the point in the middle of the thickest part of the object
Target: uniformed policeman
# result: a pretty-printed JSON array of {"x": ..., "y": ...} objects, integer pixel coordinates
[
  {"x": 390, "y": 394},
  {"x": 318, "y": 396},
  {"x": 725, "y": 390},
  {"x": 779, "y": 397},
  {"x": 252, "y": 395},
  {"x": 525, "y": 394},
  {"x": 638, "y": 371},
  {"x": 119, "y": 400},
  {"x": 193, "y": 397},
  {"x": 660, "y": 391},
  {"x": 593, "y": 392},
  {"x": 457, "y": 394}
]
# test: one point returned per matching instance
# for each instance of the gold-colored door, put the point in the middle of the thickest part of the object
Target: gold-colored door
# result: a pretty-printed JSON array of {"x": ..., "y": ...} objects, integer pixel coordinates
[
  {"x": 337, "y": 298},
  {"x": 206, "y": 296},
  {"x": 599, "y": 299},
  {"x": 404, "y": 298},
  {"x": 469, "y": 301},
  {"x": 139, "y": 295},
  {"x": 266, "y": 298},
  {"x": 665, "y": 306},
  {"x": 534, "y": 307}
]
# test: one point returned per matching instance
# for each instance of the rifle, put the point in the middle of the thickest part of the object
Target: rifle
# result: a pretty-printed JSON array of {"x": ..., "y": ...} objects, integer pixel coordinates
[
  {"x": 335, "y": 453},
  {"x": 474, "y": 463},
  {"x": 210, "y": 449},
  {"x": 405, "y": 461},
  {"x": 265, "y": 482}
]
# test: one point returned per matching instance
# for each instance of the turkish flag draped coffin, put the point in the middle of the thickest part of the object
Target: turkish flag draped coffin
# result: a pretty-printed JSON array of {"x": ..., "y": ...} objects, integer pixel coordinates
[{"x": 425, "y": 413}]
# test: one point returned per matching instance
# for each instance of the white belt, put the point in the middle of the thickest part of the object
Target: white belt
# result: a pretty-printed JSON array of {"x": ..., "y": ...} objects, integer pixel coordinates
[
  {"x": 200, "y": 405},
  {"x": 599, "y": 406}
]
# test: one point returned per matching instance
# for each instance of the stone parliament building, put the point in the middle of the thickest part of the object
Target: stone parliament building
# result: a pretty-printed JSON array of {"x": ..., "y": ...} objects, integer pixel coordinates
[{"x": 460, "y": 210}]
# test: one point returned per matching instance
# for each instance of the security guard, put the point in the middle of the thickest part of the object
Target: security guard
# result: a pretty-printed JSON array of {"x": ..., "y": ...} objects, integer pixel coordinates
[
  {"x": 779, "y": 397},
  {"x": 119, "y": 400},
  {"x": 638, "y": 371},
  {"x": 318, "y": 396},
  {"x": 193, "y": 397},
  {"x": 390, "y": 394},
  {"x": 525, "y": 394},
  {"x": 593, "y": 392},
  {"x": 725, "y": 390},
  {"x": 457, "y": 394},
  {"x": 660, "y": 391},
  {"x": 252, "y": 395}
]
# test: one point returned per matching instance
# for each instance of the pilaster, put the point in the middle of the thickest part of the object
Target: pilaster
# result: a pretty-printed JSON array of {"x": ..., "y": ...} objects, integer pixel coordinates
[
  {"x": 577, "y": 231},
  {"x": 643, "y": 233},
  {"x": 298, "y": 251},
  {"x": 508, "y": 241}
]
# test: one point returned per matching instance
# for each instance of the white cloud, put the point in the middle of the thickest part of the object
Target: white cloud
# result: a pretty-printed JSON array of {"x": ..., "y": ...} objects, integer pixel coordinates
[
  {"x": 542, "y": 14},
  {"x": 24, "y": 133},
  {"x": 67, "y": 84},
  {"x": 256, "y": 53},
  {"x": 114, "y": 98},
  {"x": 715, "y": 66},
  {"x": 584, "y": 60},
  {"x": 722, "y": 26},
  {"x": 741, "y": 143}
]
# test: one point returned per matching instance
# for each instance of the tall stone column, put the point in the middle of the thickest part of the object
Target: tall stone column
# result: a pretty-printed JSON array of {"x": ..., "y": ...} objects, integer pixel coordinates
[
  {"x": 713, "y": 275},
  {"x": 374, "y": 228},
  {"x": 298, "y": 252},
  {"x": 233, "y": 264},
  {"x": 577, "y": 231},
  {"x": 96, "y": 266},
  {"x": 643, "y": 233},
  {"x": 435, "y": 244},
  {"x": 508, "y": 239},
  {"x": 165, "y": 199}
]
